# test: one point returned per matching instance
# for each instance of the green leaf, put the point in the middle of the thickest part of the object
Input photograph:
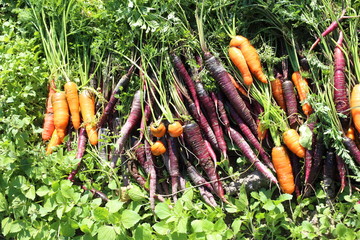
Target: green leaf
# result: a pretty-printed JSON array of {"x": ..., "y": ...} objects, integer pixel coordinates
[
  {"x": 42, "y": 191},
  {"x": 220, "y": 225},
  {"x": 101, "y": 213},
  {"x": 284, "y": 197},
  {"x": 306, "y": 135},
  {"x": 161, "y": 228},
  {"x": 86, "y": 225},
  {"x": 269, "y": 205},
  {"x": 66, "y": 230},
  {"x": 106, "y": 232},
  {"x": 162, "y": 210},
  {"x": 129, "y": 218},
  {"x": 197, "y": 226},
  {"x": 356, "y": 207},
  {"x": 182, "y": 225},
  {"x": 236, "y": 224},
  {"x": 112, "y": 185},
  {"x": 3, "y": 203},
  {"x": 114, "y": 205},
  {"x": 136, "y": 194},
  {"x": 30, "y": 193},
  {"x": 143, "y": 231}
]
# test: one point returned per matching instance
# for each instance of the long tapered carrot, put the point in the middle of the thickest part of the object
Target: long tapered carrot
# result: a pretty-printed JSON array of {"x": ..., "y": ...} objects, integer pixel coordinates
[
  {"x": 283, "y": 169},
  {"x": 61, "y": 113},
  {"x": 277, "y": 92},
  {"x": 302, "y": 88},
  {"x": 87, "y": 107},
  {"x": 72, "y": 98},
  {"x": 48, "y": 126},
  {"x": 237, "y": 85},
  {"x": 291, "y": 140},
  {"x": 54, "y": 141},
  {"x": 239, "y": 61},
  {"x": 251, "y": 56}
]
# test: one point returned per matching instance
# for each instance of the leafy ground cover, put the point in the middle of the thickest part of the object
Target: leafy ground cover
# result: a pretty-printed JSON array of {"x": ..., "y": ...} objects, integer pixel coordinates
[{"x": 36, "y": 199}]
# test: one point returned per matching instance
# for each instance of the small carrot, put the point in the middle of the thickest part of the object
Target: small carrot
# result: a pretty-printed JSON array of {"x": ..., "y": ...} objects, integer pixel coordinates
[
  {"x": 54, "y": 141},
  {"x": 277, "y": 92},
  {"x": 251, "y": 56},
  {"x": 158, "y": 129},
  {"x": 302, "y": 88},
  {"x": 239, "y": 61},
  {"x": 355, "y": 106},
  {"x": 72, "y": 98},
  {"x": 283, "y": 169},
  {"x": 87, "y": 107},
  {"x": 351, "y": 133},
  {"x": 237, "y": 85},
  {"x": 48, "y": 126},
  {"x": 175, "y": 129},
  {"x": 291, "y": 140},
  {"x": 61, "y": 113}
]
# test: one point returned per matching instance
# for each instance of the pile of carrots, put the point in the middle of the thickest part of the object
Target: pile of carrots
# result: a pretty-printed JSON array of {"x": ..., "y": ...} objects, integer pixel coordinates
[{"x": 199, "y": 128}]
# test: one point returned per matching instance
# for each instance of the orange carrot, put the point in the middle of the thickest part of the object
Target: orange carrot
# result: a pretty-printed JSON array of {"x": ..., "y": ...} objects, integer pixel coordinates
[
  {"x": 277, "y": 92},
  {"x": 302, "y": 88},
  {"x": 54, "y": 141},
  {"x": 355, "y": 106},
  {"x": 283, "y": 169},
  {"x": 87, "y": 107},
  {"x": 261, "y": 131},
  {"x": 175, "y": 129},
  {"x": 48, "y": 126},
  {"x": 291, "y": 139},
  {"x": 239, "y": 61},
  {"x": 351, "y": 133},
  {"x": 72, "y": 98},
  {"x": 61, "y": 113},
  {"x": 158, "y": 130},
  {"x": 158, "y": 148},
  {"x": 237, "y": 85},
  {"x": 251, "y": 56}
]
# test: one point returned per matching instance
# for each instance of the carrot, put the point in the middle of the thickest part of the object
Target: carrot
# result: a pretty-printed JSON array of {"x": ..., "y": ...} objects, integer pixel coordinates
[
  {"x": 350, "y": 133},
  {"x": 277, "y": 92},
  {"x": 80, "y": 152},
  {"x": 351, "y": 146},
  {"x": 133, "y": 119},
  {"x": 291, "y": 102},
  {"x": 237, "y": 85},
  {"x": 291, "y": 140},
  {"x": 194, "y": 138},
  {"x": 309, "y": 154},
  {"x": 296, "y": 167},
  {"x": 158, "y": 148},
  {"x": 219, "y": 73},
  {"x": 72, "y": 98},
  {"x": 158, "y": 129},
  {"x": 283, "y": 169},
  {"x": 239, "y": 61},
  {"x": 61, "y": 113},
  {"x": 355, "y": 106},
  {"x": 175, "y": 129},
  {"x": 302, "y": 88},
  {"x": 340, "y": 163},
  {"x": 87, "y": 106},
  {"x": 251, "y": 56},
  {"x": 317, "y": 160},
  {"x": 48, "y": 126},
  {"x": 329, "y": 173},
  {"x": 173, "y": 164},
  {"x": 54, "y": 141},
  {"x": 341, "y": 99},
  {"x": 124, "y": 80},
  {"x": 248, "y": 152},
  {"x": 151, "y": 171}
]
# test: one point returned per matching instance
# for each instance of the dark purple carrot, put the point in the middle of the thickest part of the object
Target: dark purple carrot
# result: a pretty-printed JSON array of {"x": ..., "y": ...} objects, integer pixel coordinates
[
  {"x": 152, "y": 173},
  {"x": 329, "y": 173},
  {"x": 317, "y": 160},
  {"x": 250, "y": 137},
  {"x": 220, "y": 106},
  {"x": 130, "y": 124},
  {"x": 341, "y": 99},
  {"x": 211, "y": 151},
  {"x": 291, "y": 102},
  {"x": 181, "y": 70},
  {"x": 80, "y": 152},
  {"x": 342, "y": 171},
  {"x": 328, "y": 30},
  {"x": 351, "y": 146},
  {"x": 173, "y": 164},
  {"x": 296, "y": 167},
  {"x": 96, "y": 193},
  {"x": 248, "y": 152},
  {"x": 309, "y": 154},
  {"x": 182, "y": 183},
  {"x": 207, "y": 196},
  {"x": 113, "y": 100},
  {"x": 210, "y": 110},
  {"x": 133, "y": 170},
  {"x": 219, "y": 73}
]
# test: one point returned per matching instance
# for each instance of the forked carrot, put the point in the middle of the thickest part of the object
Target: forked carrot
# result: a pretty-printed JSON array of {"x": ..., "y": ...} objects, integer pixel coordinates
[{"x": 239, "y": 61}]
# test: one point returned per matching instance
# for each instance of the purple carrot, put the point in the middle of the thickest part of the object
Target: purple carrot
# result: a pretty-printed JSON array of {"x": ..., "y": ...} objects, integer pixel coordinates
[
  {"x": 309, "y": 154},
  {"x": 219, "y": 73},
  {"x": 250, "y": 137},
  {"x": 317, "y": 160},
  {"x": 210, "y": 110},
  {"x": 211, "y": 151},
  {"x": 248, "y": 152},
  {"x": 296, "y": 167},
  {"x": 341, "y": 99},
  {"x": 220, "y": 106},
  {"x": 113, "y": 100},
  {"x": 80, "y": 152},
  {"x": 130, "y": 124},
  {"x": 291, "y": 102},
  {"x": 182, "y": 183},
  {"x": 328, "y": 30},
  {"x": 172, "y": 149},
  {"x": 342, "y": 171},
  {"x": 181, "y": 70},
  {"x": 133, "y": 170},
  {"x": 329, "y": 173},
  {"x": 351, "y": 146},
  {"x": 96, "y": 193},
  {"x": 152, "y": 172},
  {"x": 207, "y": 196}
]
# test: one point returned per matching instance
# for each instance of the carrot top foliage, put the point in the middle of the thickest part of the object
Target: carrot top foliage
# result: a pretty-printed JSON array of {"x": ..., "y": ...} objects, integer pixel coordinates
[{"x": 94, "y": 43}]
